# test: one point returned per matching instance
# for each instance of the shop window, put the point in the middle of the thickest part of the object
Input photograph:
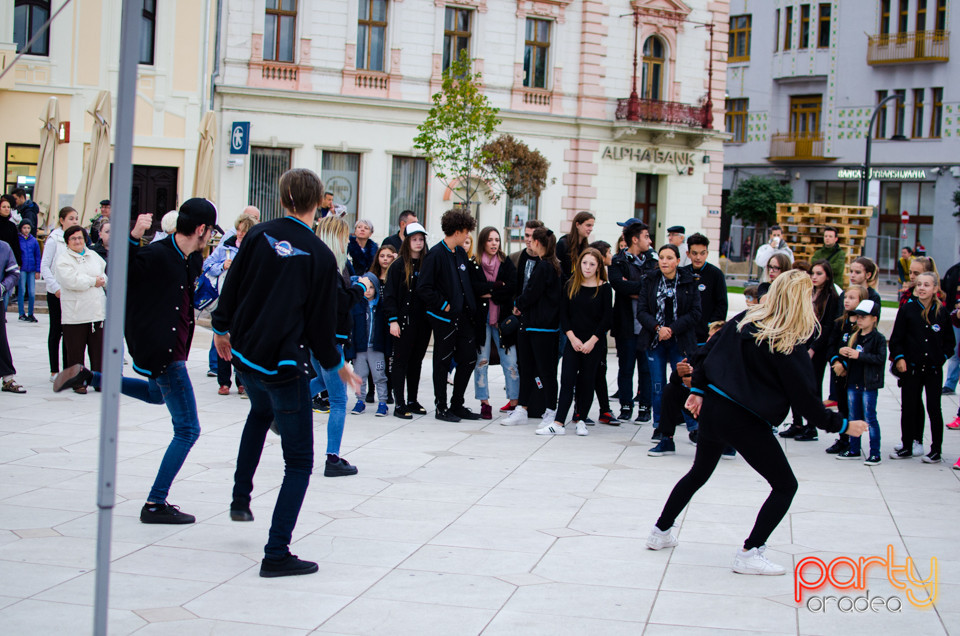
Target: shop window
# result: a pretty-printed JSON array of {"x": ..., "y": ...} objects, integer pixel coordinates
[
  {"x": 340, "y": 172},
  {"x": 536, "y": 50},
  {"x": 736, "y": 119},
  {"x": 21, "y": 167},
  {"x": 28, "y": 17},
  {"x": 823, "y": 27},
  {"x": 266, "y": 167},
  {"x": 738, "y": 48},
  {"x": 408, "y": 189},
  {"x": 518, "y": 212},
  {"x": 804, "y": 27},
  {"x": 653, "y": 68},
  {"x": 833, "y": 192},
  {"x": 457, "y": 25},
  {"x": 279, "y": 30}
]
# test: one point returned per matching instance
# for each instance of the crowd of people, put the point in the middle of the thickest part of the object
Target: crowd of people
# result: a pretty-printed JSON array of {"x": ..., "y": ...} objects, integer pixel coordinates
[{"x": 309, "y": 316}]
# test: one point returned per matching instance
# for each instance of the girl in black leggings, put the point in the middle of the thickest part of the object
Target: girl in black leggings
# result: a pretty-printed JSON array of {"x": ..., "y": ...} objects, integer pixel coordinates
[
  {"x": 753, "y": 371},
  {"x": 586, "y": 313}
]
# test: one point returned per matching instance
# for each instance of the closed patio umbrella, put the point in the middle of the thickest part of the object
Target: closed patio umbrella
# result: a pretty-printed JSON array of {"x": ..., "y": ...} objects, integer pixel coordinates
[
  {"x": 203, "y": 180},
  {"x": 95, "y": 182},
  {"x": 43, "y": 190}
]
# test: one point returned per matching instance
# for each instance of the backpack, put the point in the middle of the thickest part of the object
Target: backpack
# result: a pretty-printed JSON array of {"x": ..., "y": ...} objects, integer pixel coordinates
[{"x": 206, "y": 292}]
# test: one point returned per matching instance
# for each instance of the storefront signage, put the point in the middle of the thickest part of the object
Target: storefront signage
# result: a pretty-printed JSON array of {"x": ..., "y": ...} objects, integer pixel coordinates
[
  {"x": 240, "y": 138},
  {"x": 886, "y": 174},
  {"x": 653, "y": 155}
]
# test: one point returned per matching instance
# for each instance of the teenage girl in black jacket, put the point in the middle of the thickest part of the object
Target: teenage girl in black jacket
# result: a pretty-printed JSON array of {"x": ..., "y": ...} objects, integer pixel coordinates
[
  {"x": 538, "y": 306},
  {"x": 407, "y": 317},
  {"x": 753, "y": 371},
  {"x": 921, "y": 342}
]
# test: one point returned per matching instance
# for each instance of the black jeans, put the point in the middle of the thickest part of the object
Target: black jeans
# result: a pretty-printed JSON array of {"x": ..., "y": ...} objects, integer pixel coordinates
[
  {"x": 913, "y": 385},
  {"x": 578, "y": 373},
  {"x": 724, "y": 422},
  {"x": 630, "y": 356},
  {"x": 408, "y": 353},
  {"x": 55, "y": 334},
  {"x": 819, "y": 370},
  {"x": 671, "y": 407},
  {"x": 286, "y": 401},
  {"x": 603, "y": 395},
  {"x": 454, "y": 340},
  {"x": 537, "y": 353},
  {"x": 224, "y": 369}
]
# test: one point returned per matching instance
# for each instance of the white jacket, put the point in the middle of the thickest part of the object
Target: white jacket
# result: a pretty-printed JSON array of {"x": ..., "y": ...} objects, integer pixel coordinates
[
  {"x": 81, "y": 301},
  {"x": 51, "y": 246}
]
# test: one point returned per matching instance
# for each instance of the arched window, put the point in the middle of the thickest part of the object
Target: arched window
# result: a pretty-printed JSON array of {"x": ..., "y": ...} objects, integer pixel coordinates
[{"x": 653, "y": 68}]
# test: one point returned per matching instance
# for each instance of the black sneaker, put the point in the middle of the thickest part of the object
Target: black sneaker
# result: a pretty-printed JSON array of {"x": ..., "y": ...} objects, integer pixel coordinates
[
  {"x": 23, "y": 318},
  {"x": 240, "y": 512},
  {"x": 589, "y": 422},
  {"x": 792, "y": 431},
  {"x": 321, "y": 404},
  {"x": 389, "y": 399},
  {"x": 809, "y": 434},
  {"x": 693, "y": 436},
  {"x": 370, "y": 399},
  {"x": 32, "y": 319},
  {"x": 416, "y": 408},
  {"x": 444, "y": 415},
  {"x": 607, "y": 418},
  {"x": 464, "y": 413},
  {"x": 947, "y": 391},
  {"x": 290, "y": 565},
  {"x": 903, "y": 453},
  {"x": 625, "y": 415},
  {"x": 931, "y": 458},
  {"x": 873, "y": 460},
  {"x": 838, "y": 447},
  {"x": 849, "y": 454},
  {"x": 644, "y": 414},
  {"x": 72, "y": 377},
  {"x": 656, "y": 435},
  {"x": 340, "y": 468},
  {"x": 164, "y": 513},
  {"x": 402, "y": 412}
]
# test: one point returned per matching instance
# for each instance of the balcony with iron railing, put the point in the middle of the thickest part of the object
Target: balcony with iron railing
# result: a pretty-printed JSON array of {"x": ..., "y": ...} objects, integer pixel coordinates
[
  {"x": 797, "y": 147},
  {"x": 906, "y": 48},
  {"x": 655, "y": 111}
]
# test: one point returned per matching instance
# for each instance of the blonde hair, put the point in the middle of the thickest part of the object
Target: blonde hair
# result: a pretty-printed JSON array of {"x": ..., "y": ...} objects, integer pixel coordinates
[
  {"x": 576, "y": 281},
  {"x": 785, "y": 318},
  {"x": 934, "y": 300},
  {"x": 244, "y": 223},
  {"x": 863, "y": 293},
  {"x": 334, "y": 232}
]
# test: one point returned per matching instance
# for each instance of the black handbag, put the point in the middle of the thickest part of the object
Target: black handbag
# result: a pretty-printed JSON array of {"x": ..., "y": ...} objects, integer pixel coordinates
[{"x": 509, "y": 329}]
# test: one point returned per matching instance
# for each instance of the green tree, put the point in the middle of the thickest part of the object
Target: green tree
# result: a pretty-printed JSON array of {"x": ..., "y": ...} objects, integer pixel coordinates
[
  {"x": 519, "y": 171},
  {"x": 456, "y": 130},
  {"x": 755, "y": 200},
  {"x": 956, "y": 202}
]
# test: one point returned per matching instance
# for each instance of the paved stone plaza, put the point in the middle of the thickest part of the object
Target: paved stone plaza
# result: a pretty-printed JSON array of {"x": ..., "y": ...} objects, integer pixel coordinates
[{"x": 462, "y": 528}]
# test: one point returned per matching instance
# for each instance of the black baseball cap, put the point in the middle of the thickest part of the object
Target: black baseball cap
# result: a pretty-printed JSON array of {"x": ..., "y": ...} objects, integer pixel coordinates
[
  {"x": 201, "y": 212},
  {"x": 628, "y": 222},
  {"x": 105, "y": 202},
  {"x": 868, "y": 308},
  {"x": 676, "y": 229}
]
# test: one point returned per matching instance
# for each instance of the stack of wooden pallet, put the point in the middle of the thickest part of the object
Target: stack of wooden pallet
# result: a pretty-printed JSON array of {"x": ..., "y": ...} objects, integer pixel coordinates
[{"x": 803, "y": 225}]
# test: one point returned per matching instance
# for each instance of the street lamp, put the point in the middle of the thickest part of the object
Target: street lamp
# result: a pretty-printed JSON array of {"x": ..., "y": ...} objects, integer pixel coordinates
[{"x": 865, "y": 176}]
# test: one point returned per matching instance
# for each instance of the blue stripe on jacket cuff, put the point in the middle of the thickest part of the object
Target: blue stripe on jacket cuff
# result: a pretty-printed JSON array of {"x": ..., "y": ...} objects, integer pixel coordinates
[
  {"x": 898, "y": 357},
  {"x": 843, "y": 429},
  {"x": 444, "y": 305},
  {"x": 696, "y": 391},
  {"x": 218, "y": 332},
  {"x": 134, "y": 241},
  {"x": 393, "y": 319}
]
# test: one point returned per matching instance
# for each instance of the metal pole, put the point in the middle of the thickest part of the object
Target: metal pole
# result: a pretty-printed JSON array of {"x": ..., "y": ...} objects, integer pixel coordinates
[
  {"x": 633, "y": 104},
  {"x": 116, "y": 301},
  {"x": 865, "y": 176}
]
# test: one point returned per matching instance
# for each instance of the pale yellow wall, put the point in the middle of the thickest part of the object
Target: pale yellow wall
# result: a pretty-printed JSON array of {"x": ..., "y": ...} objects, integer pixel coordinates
[
  {"x": 187, "y": 59},
  {"x": 89, "y": 18},
  {"x": 174, "y": 125}
]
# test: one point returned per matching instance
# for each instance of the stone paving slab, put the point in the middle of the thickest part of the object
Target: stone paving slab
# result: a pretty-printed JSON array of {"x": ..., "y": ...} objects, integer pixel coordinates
[{"x": 462, "y": 528}]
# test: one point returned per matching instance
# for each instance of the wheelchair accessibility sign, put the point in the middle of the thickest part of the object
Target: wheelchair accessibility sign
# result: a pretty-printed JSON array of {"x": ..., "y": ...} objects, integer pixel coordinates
[{"x": 240, "y": 138}]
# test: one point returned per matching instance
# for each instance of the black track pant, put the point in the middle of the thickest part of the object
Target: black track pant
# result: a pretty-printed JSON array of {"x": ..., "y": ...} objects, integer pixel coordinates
[
  {"x": 578, "y": 373},
  {"x": 819, "y": 370},
  {"x": 603, "y": 395},
  {"x": 408, "y": 353},
  {"x": 537, "y": 357},
  {"x": 914, "y": 384},
  {"x": 724, "y": 422},
  {"x": 56, "y": 333},
  {"x": 671, "y": 407},
  {"x": 453, "y": 340}
]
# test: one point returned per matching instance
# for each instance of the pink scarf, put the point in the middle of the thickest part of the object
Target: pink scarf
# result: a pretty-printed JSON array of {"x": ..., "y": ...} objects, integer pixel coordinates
[{"x": 491, "y": 267}]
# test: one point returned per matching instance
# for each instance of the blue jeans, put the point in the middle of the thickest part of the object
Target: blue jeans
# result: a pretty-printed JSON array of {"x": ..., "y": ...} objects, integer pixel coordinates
[
  {"x": 953, "y": 365},
  {"x": 630, "y": 356},
  {"x": 666, "y": 352},
  {"x": 862, "y": 405},
  {"x": 330, "y": 381},
  {"x": 508, "y": 360},
  {"x": 212, "y": 358},
  {"x": 25, "y": 289},
  {"x": 285, "y": 401},
  {"x": 173, "y": 388}
]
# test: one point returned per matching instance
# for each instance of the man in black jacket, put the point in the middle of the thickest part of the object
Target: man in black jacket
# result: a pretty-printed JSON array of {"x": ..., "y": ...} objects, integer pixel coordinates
[
  {"x": 447, "y": 292},
  {"x": 27, "y": 209},
  {"x": 278, "y": 304},
  {"x": 396, "y": 240},
  {"x": 159, "y": 328},
  {"x": 711, "y": 283},
  {"x": 626, "y": 273}
]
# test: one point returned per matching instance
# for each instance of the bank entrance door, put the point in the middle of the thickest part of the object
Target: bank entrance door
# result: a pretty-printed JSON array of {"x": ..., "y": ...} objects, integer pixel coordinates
[
  {"x": 154, "y": 192},
  {"x": 645, "y": 200}
]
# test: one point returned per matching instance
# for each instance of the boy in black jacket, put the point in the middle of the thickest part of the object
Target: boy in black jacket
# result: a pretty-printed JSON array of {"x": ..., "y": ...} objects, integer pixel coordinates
[
  {"x": 278, "y": 305},
  {"x": 448, "y": 295},
  {"x": 711, "y": 283}
]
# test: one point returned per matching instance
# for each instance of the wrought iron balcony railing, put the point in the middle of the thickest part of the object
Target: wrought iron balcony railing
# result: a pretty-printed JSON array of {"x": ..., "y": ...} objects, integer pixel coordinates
[
  {"x": 905, "y": 48},
  {"x": 664, "y": 112}
]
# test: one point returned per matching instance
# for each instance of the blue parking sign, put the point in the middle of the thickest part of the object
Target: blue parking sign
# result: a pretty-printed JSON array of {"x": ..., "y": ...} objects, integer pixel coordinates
[{"x": 240, "y": 138}]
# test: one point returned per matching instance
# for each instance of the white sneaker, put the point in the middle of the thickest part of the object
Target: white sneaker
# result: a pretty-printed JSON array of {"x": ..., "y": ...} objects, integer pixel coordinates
[
  {"x": 582, "y": 429},
  {"x": 549, "y": 417},
  {"x": 517, "y": 416},
  {"x": 53, "y": 376},
  {"x": 660, "y": 539},
  {"x": 753, "y": 561},
  {"x": 917, "y": 448},
  {"x": 551, "y": 429}
]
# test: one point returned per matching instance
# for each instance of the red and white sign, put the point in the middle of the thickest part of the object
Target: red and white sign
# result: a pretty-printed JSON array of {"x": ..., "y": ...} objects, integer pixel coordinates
[{"x": 905, "y": 217}]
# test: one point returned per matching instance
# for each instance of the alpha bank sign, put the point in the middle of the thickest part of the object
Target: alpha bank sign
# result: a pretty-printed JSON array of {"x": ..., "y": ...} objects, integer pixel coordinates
[
  {"x": 884, "y": 174},
  {"x": 682, "y": 161}
]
